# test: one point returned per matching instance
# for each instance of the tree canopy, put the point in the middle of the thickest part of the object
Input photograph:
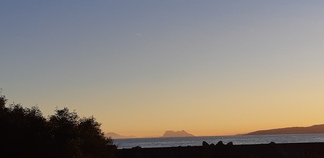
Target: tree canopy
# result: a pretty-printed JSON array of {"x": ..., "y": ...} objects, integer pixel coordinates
[{"x": 25, "y": 132}]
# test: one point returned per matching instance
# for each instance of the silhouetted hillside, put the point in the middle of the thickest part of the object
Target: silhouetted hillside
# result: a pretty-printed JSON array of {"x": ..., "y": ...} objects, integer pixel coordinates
[
  {"x": 291, "y": 130},
  {"x": 177, "y": 134}
]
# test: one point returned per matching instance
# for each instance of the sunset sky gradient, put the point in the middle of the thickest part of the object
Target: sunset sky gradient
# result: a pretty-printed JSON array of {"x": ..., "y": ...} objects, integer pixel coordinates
[{"x": 144, "y": 67}]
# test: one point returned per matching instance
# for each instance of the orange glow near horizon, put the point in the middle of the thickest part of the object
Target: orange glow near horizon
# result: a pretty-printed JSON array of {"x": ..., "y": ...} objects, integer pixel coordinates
[
  {"x": 269, "y": 106},
  {"x": 229, "y": 132}
]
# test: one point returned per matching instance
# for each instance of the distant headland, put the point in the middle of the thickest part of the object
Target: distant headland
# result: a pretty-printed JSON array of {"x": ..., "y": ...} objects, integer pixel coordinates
[
  {"x": 116, "y": 136},
  {"x": 177, "y": 134},
  {"x": 291, "y": 130}
]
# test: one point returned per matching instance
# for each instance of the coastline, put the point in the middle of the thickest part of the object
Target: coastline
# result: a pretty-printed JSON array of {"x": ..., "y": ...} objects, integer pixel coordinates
[
  {"x": 237, "y": 140},
  {"x": 271, "y": 150}
]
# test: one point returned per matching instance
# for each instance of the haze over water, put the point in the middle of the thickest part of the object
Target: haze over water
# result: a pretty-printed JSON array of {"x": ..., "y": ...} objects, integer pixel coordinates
[{"x": 144, "y": 67}]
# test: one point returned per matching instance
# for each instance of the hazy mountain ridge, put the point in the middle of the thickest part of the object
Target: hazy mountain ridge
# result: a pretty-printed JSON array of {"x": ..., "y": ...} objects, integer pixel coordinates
[
  {"x": 177, "y": 134},
  {"x": 116, "y": 136},
  {"x": 291, "y": 130}
]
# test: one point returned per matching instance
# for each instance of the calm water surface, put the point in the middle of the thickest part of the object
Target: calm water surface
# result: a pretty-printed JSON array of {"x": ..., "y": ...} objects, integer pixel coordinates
[{"x": 237, "y": 140}]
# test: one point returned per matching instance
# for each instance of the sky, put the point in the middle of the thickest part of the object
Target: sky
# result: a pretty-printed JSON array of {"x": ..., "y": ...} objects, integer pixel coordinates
[{"x": 143, "y": 67}]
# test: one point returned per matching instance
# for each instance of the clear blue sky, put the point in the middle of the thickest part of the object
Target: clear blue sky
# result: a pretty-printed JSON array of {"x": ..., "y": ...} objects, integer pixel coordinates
[{"x": 142, "y": 67}]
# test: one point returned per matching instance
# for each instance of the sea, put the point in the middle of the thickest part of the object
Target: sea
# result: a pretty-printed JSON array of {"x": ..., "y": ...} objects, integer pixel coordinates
[{"x": 236, "y": 140}]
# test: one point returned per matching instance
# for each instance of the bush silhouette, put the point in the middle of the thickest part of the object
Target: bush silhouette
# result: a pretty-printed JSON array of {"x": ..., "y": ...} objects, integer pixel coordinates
[{"x": 26, "y": 133}]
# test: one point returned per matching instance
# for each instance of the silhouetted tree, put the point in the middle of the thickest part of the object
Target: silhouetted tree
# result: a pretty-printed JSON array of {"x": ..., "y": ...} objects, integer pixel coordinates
[
  {"x": 24, "y": 132},
  {"x": 3, "y": 101},
  {"x": 93, "y": 139},
  {"x": 64, "y": 131}
]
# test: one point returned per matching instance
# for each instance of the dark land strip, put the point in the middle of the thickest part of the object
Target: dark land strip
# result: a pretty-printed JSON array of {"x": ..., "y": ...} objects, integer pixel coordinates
[{"x": 272, "y": 150}]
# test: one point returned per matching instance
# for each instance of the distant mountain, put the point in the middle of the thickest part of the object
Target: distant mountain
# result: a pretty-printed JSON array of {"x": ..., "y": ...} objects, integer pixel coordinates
[
  {"x": 291, "y": 130},
  {"x": 116, "y": 136},
  {"x": 177, "y": 134}
]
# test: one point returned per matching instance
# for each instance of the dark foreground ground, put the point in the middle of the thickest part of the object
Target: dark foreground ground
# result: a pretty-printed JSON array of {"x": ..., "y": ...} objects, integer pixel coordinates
[{"x": 272, "y": 150}]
